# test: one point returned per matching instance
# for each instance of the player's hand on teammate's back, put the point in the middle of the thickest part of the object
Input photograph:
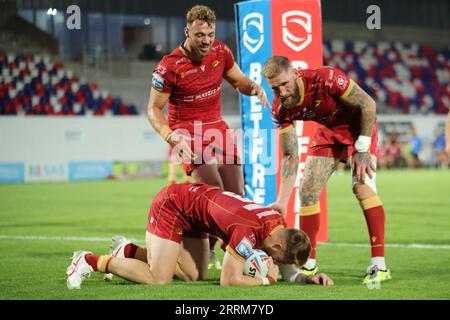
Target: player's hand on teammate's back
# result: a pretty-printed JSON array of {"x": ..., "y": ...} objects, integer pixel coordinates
[
  {"x": 181, "y": 145},
  {"x": 322, "y": 278},
  {"x": 363, "y": 164},
  {"x": 279, "y": 207},
  {"x": 259, "y": 91}
]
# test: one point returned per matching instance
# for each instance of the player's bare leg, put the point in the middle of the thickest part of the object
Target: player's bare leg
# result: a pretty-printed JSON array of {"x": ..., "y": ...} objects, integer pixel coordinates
[
  {"x": 192, "y": 256},
  {"x": 171, "y": 178},
  {"x": 193, "y": 260},
  {"x": 232, "y": 178},
  {"x": 233, "y": 181},
  {"x": 163, "y": 255},
  {"x": 209, "y": 174},
  {"x": 366, "y": 194},
  {"x": 316, "y": 174}
]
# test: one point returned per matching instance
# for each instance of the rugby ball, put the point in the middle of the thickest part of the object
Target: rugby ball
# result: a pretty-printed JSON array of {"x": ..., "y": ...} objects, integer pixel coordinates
[{"x": 257, "y": 264}]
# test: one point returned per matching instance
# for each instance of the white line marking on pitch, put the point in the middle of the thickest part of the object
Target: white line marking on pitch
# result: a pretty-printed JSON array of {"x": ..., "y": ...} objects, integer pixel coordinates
[
  {"x": 388, "y": 245},
  {"x": 325, "y": 244},
  {"x": 87, "y": 239}
]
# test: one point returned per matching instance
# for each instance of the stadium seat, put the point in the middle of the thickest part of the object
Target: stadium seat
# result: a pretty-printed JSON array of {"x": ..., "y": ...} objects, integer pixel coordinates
[
  {"x": 34, "y": 85},
  {"x": 407, "y": 77}
]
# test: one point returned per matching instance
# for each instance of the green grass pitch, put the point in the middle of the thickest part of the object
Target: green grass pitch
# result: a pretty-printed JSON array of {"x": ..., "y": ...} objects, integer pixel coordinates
[{"x": 418, "y": 212}]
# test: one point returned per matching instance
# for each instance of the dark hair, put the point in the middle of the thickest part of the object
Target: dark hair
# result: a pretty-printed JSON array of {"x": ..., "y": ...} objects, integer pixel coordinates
[
  {"x": 298, "y": 247},
  {"x": 202, "y": 13}
]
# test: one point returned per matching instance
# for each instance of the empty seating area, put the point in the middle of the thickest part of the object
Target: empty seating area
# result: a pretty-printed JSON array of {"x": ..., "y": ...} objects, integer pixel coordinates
[
  {"x": 34, "y": 85},
  {"x": 408, "y": 77}
]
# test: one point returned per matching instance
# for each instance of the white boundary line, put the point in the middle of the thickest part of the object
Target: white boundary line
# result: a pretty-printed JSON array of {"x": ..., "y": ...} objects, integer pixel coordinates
[
  {"x": 389, "y": 245},
  {"x": 325, "y": 244},
  {"x": 46, "y": 238}
]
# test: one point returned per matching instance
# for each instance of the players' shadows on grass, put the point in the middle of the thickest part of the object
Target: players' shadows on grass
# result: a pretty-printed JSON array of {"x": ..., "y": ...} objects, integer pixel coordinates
[{"x": 346, "y": 278}]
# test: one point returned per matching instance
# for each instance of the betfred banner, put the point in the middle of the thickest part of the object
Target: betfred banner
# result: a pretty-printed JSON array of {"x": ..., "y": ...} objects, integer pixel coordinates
[
  {"x": 259, "y": 153},
  {"x": 292, "y": 28}
]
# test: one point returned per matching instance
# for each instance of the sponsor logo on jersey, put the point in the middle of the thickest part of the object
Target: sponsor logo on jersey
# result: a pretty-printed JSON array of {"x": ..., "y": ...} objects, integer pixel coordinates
[
  {"x": 267, "y": 213},
  {"x": 202, "y": 67},
  {"x": 157, "y": 81},
  {"x": 161, "y": 70},
  {"x": 252, "y": 206},
  {"x": 244, "y": 248},
  {"x": 194, "y": 188},
  {"x": 207, "y": 94},
  {"x": 186, "y": 73},
  {"x": 330, "y": 74}
]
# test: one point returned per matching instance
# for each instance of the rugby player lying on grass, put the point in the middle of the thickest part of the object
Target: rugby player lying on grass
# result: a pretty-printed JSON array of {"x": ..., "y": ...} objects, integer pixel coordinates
[{"x": 191, "y": 211}]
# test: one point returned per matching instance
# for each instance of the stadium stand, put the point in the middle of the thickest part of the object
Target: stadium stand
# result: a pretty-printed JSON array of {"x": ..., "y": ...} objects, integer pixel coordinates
[
  {"x": 410, "y": 78},
  {"x": 34, "y": 85}
]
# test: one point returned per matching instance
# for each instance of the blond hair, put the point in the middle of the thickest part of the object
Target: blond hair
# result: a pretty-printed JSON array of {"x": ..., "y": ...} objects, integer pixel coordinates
[
  {"x": 202, "y": 13},
  {"x": 298, "y": 246},
  {"x": 275, "y": 65}
]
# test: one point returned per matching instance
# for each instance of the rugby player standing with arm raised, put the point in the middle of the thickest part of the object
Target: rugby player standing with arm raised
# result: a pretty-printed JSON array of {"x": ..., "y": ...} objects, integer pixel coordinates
[{"x": 190, "y": 80}]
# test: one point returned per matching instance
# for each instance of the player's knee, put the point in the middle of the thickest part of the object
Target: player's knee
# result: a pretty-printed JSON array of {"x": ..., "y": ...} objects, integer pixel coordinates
[
  {"x": 362, "y": 191},
  {"x": 194, "y": 275},
  {"x": 157, "y": 281},
  {"x": 162, "y": 280}
]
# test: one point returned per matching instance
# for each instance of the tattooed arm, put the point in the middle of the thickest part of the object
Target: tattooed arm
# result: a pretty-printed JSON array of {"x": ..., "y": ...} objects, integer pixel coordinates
[
  {"x": 358, "y": 98},
  {"x": 362, "y": 163},
  {"x": 289, "y": 166}
]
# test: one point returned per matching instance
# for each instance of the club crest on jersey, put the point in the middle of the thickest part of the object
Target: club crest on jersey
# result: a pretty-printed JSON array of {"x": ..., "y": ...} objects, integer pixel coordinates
[
  {"x": 244, "y": 248},
  {"x": 340, "y": 81},
  {"x": 157, "y": 81},
  {"x": 215, "y": 63}
]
